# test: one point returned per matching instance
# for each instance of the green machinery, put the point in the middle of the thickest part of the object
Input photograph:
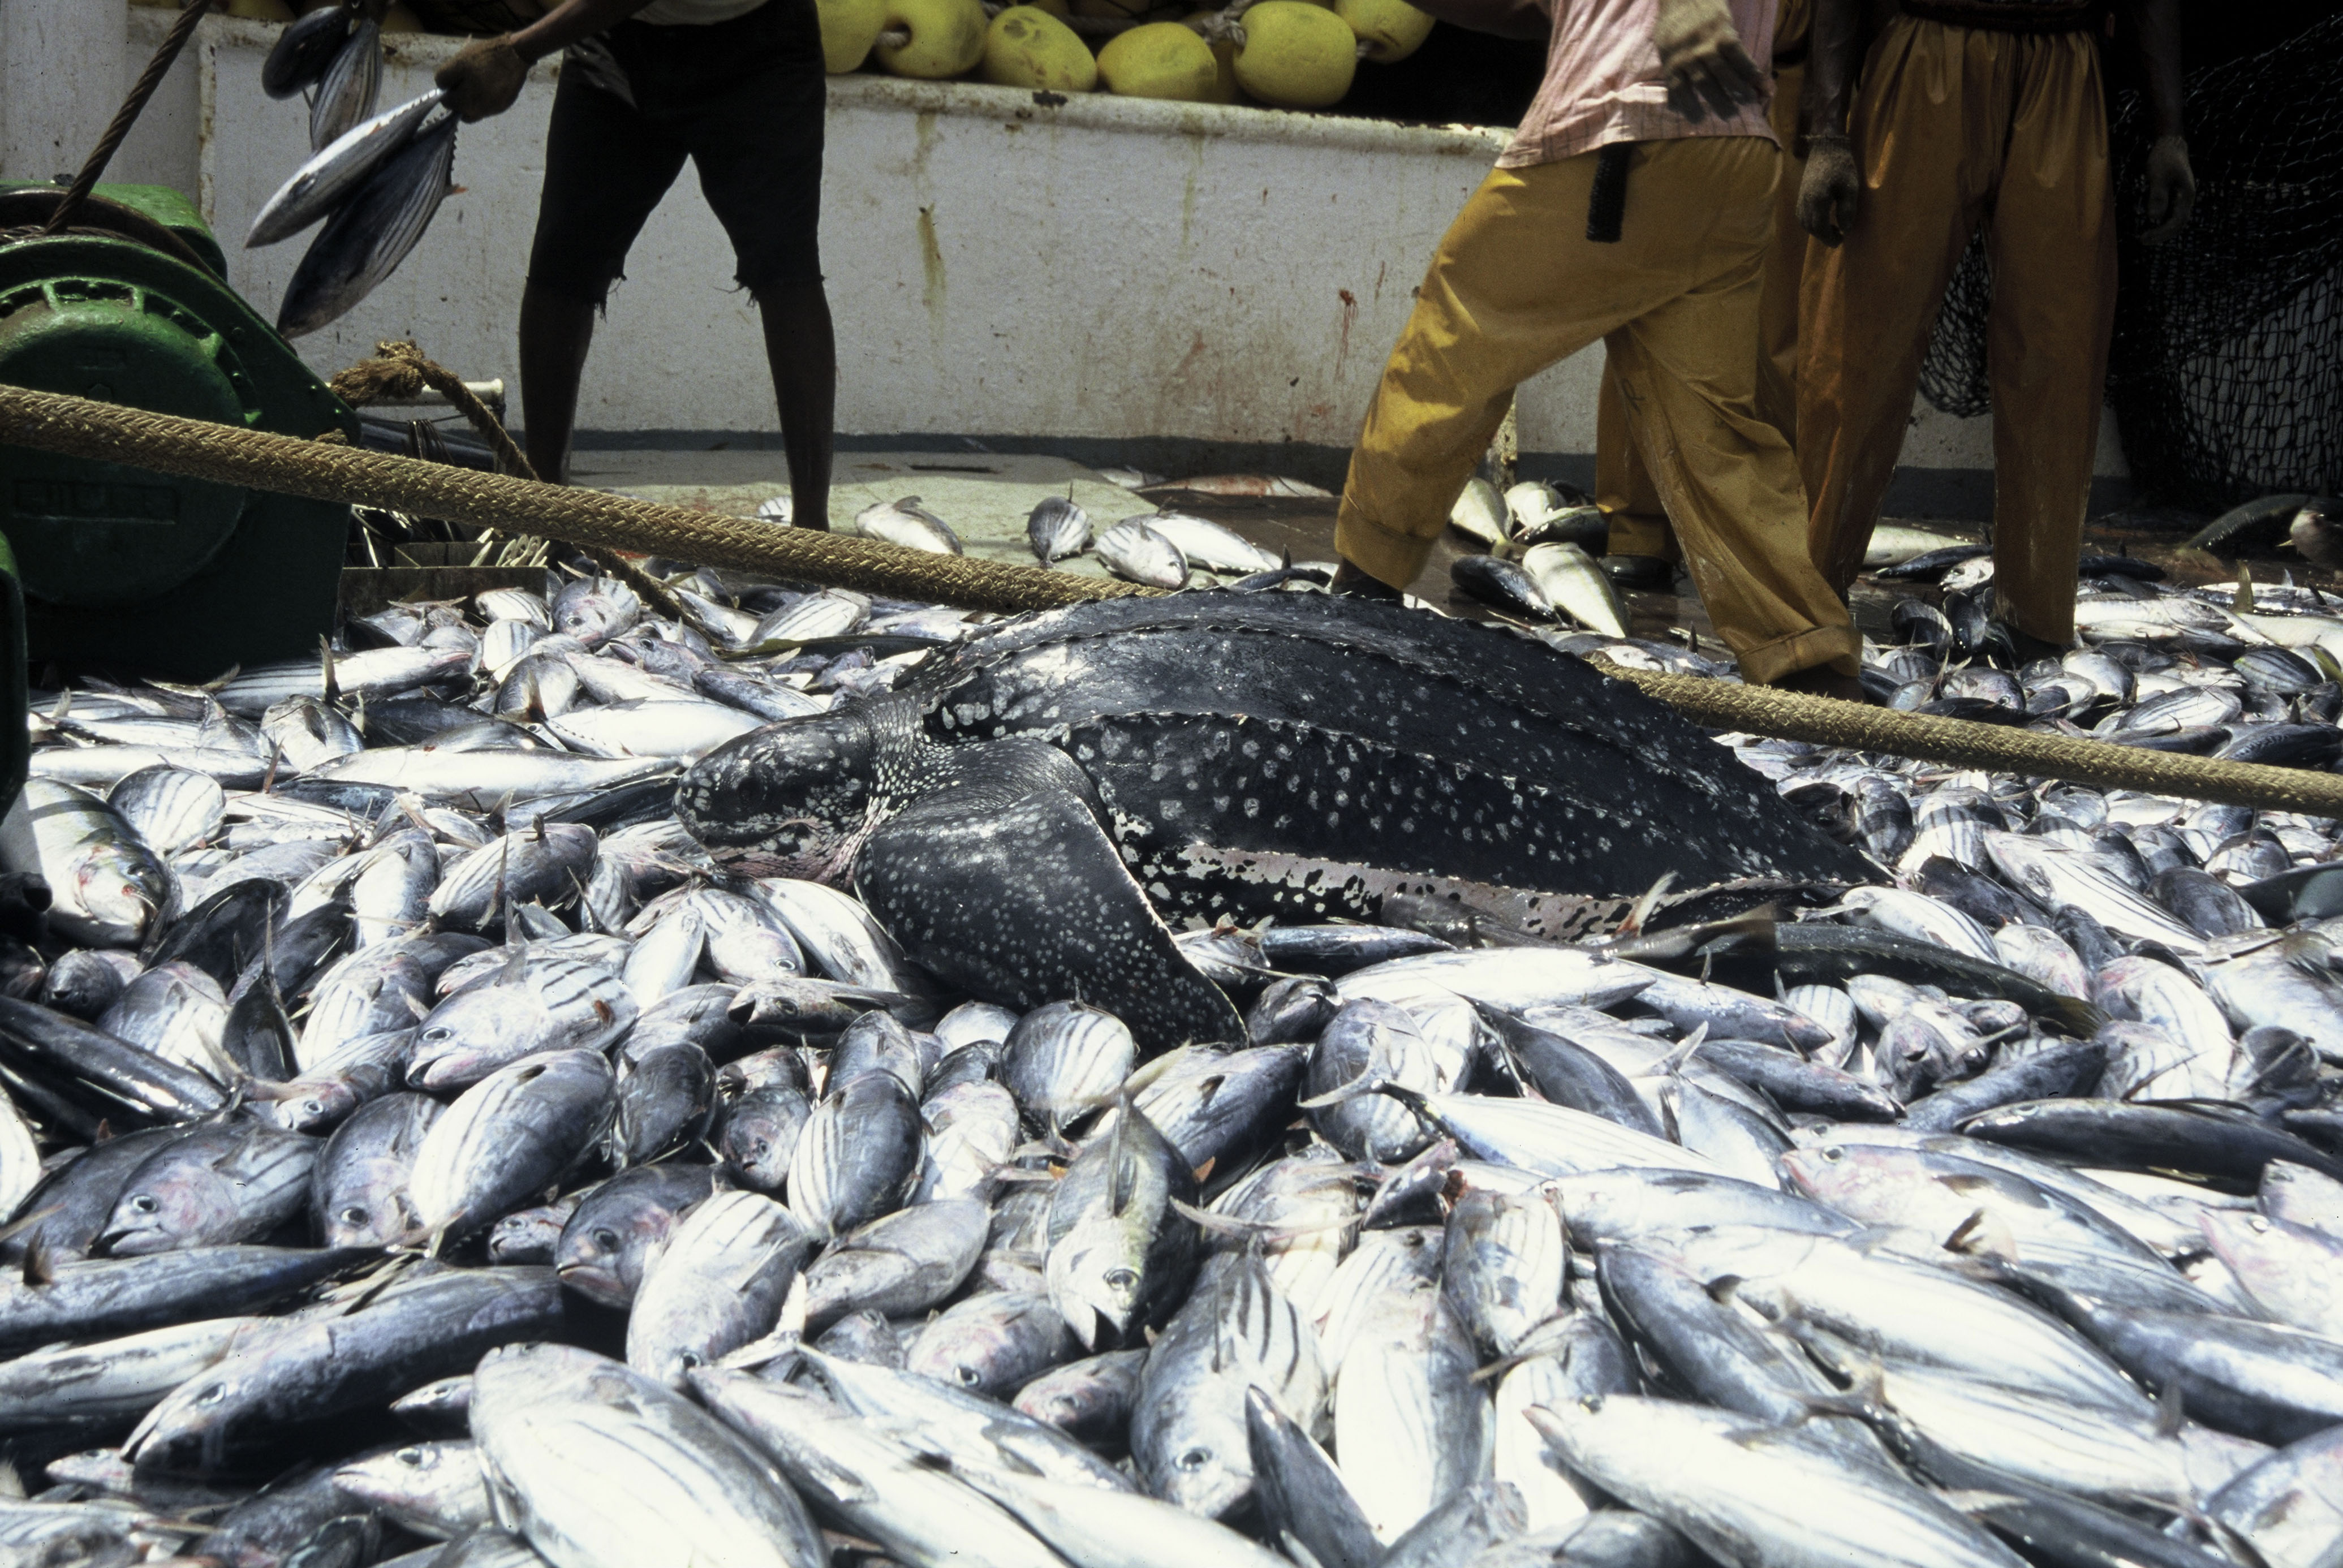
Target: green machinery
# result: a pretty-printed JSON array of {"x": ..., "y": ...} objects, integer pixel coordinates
[{"x": 124, "y": 569}]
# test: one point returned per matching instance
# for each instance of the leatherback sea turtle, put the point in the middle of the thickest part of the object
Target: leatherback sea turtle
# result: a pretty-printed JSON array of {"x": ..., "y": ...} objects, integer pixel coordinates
[{"x": 1028, "y": 807}]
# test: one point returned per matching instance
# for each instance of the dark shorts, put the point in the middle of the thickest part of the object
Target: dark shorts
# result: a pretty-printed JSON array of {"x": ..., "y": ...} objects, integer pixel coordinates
[{"x": 742, "y": 99}]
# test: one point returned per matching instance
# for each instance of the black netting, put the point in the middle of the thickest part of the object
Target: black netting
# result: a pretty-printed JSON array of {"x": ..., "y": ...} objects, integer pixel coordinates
[
  {"x": 2227, "y": 368},
  {"x": 1952, "y": 373},
  {"x": 2227, "y": 371}
]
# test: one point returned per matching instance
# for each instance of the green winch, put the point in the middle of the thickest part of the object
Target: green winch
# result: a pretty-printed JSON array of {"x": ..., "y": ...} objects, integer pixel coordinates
[{"x": 123, "y": 567}]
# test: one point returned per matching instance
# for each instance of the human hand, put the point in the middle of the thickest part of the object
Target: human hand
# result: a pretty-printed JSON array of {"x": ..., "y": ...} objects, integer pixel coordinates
[
  {"x": 2171, "y": 189},
  {"x": 1832, "y": 188},
  {"x": 1706, "y": 65},
  {"x": 483, "y": 79}
]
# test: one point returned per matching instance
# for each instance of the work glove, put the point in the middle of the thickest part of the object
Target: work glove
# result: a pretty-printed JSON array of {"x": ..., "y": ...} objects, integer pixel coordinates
[
  {"x": 1831, "y": 189},
  {"x": 484, "y": 78},
  {"x": 2171, "y": 189},
  {"x": 1702, "y": 58}
]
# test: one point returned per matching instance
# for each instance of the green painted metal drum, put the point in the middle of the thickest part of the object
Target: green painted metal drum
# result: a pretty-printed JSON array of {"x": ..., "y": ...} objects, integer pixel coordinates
[{"x": 119, "y": 566}]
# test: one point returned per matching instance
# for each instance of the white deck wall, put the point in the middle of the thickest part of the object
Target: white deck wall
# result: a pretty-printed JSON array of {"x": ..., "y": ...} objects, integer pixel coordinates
[{"x": 1112, "y": 268}]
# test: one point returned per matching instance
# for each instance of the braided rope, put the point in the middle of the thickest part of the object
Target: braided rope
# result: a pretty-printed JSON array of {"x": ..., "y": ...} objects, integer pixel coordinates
[
  {"x": 94, "y": 166},
  {"x": 324, "y": 471},
  {"x": 103, "y": 432},
  {"x": 1826, "y": 721}
]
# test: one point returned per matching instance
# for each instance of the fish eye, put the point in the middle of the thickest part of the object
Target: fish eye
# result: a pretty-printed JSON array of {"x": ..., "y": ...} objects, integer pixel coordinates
[
  {"x": 354, "y": 1215},
  {"x": 1195, "y": 1459},
  {"x": 1832, "y": 1153},
  {"x": 690, "y": 1359},
  {"x": 409, "y": 1456},
  {"x": 213, "y": 1395},
  {"x": 605, "y": 1239},
  {"x": 1122, "y": 1280},
  {"x": 968, "y": 1376},
  {"x": 144, "y": 1203}
]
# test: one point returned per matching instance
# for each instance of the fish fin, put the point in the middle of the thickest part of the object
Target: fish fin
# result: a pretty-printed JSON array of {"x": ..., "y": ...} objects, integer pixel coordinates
[
  {"x": 1681, "y": 1058},
  {"x": 779, "y": 1345},
  {"x": 23, "y": 1223},
  {"x": 326, "y": 669},
  {"x": 2236, "y": 1541},
  {"x": 40, "y": 1266},
  {"x": 1122, "y": 1165},
  {"x": 1359, "y": 1088},
  {"x": 2171, "y": 1409},
  {"x": 1632, "y": 926},
  {"x": 1971, "y": 1502},
  {"x": 1238, "y": 1225},
  {"x": 2243, "y": 600},
  {"x": 1983, "y": 1232}
]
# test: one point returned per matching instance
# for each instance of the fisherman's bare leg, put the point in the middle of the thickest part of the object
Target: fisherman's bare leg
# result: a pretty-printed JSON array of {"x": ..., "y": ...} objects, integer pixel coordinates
[{"x": 803, "y": 350}]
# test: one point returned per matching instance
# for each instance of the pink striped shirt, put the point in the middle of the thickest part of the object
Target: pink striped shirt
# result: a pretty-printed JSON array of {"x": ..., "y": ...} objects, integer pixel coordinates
[{"x": 1603, "y": 82}]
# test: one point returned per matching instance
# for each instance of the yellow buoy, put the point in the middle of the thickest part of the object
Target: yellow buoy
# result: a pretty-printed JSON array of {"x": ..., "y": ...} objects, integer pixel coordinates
[
  {"x": 1028, "y": 47},
  {"x": 849, "y": 28},
  {"x": 1160, "y": 60},
  {"x": 1296, "y": 56},
  {"x": 947, "y": 37},
  {"x": 1391, "y": 29}
]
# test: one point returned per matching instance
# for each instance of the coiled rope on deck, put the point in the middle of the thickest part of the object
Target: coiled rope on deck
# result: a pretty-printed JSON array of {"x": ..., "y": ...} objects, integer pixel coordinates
[
  {"x": 400, "y": 370},
  {"x": 104, "y": 432}
]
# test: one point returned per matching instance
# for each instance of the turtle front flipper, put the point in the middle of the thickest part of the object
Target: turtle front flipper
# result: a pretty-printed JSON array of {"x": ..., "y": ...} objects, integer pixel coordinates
[{"x": 999, "y": 879}]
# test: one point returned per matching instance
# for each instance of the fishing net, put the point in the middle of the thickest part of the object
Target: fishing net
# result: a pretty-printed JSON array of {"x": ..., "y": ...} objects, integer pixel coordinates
[
  {"x": 1953, "y": 371},
  {"x": 2227, "y": 367}
]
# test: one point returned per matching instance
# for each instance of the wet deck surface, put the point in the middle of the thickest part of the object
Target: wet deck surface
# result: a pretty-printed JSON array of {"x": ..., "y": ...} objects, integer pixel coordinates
[
  {"x": 985, "y": 497},
  {"x": 2156, "y": 534}
]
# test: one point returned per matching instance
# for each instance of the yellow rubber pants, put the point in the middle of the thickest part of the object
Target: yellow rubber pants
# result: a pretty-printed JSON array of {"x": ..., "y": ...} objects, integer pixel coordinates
[
  {"x": 1516, "y": 285},
  {"x": 1630, "y": 502},
  {"x": 1953, "y": 127}
]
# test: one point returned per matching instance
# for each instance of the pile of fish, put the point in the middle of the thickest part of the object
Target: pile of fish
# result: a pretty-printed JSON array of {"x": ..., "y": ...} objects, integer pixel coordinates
[
  {"x": 415, "y": 1148},
  {"x": 1163, "y": 548},
  {"x": 374, "y": 180}
]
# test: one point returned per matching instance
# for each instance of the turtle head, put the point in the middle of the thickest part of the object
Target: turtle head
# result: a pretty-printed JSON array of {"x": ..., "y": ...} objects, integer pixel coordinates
[{"x": 791, "y": 799}]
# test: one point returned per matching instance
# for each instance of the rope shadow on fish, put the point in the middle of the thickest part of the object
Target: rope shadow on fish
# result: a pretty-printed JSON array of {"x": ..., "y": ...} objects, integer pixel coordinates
[{"x": 1024, "y": 812}]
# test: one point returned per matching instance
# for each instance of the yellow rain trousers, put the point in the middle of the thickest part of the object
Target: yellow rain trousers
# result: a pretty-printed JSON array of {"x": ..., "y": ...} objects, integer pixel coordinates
[
  {"x": 1516, "y": 285},
  {"x": 1953, "y": 127},
  {"x": 1630, "y": 502}
]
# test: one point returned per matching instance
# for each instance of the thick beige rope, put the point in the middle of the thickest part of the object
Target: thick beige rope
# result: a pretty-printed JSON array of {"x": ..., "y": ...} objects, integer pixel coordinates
[
  {"x": 330, "y": 471},
  {"x": 103, "y": 432},
  {"x": 400, "y": 369},
  {"x": 1999, "y": 748}
]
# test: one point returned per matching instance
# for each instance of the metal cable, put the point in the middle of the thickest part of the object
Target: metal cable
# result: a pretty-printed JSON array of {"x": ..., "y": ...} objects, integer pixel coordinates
[{"x": 93, "y": 169}]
